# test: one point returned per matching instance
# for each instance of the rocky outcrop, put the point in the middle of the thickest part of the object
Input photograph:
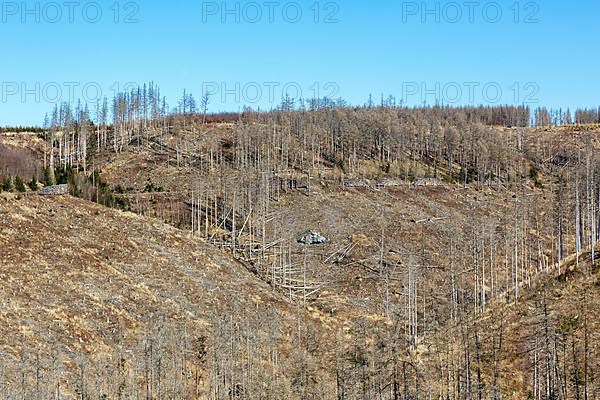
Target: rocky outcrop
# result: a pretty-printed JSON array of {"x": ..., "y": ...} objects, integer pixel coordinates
[
  {"x": 312, "y": 238},
  {"x": 355, "y": 183},
  {"x": 56, "y": 190}
]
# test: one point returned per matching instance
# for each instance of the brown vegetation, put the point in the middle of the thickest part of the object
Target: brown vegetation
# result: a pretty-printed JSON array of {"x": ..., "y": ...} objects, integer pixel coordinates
[{"x": 460, "y": 289}]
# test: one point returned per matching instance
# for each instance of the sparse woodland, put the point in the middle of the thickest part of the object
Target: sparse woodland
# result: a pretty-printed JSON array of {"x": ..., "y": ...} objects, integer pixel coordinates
[{"x": 482, "y": 286}]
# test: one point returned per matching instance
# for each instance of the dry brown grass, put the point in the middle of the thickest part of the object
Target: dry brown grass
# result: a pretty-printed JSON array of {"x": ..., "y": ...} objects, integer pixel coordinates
[
  {"x": 76, "y": 277},
  {"x": 88, "y": 277}
]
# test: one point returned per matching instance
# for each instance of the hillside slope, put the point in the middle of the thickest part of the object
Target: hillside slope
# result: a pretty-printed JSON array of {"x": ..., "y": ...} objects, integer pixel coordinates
[
  {"x": 547, "y": 344},
  {"x": 107, "y": 303},
  {"x": 437, "y": 278},
  {"x": 90, "y": 293}
]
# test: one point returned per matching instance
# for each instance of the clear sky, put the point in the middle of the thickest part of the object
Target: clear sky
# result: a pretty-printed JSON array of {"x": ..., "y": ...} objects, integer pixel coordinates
[{"x": 251, "y": 53}]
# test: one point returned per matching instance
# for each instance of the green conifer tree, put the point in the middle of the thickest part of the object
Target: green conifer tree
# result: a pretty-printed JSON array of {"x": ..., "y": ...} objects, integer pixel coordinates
[
  {"x": 20, "y": 184},
  {"x": 7, "y": 183},
  {"x": 33, "y": 184},
  {"x": 49, "y": 177}
]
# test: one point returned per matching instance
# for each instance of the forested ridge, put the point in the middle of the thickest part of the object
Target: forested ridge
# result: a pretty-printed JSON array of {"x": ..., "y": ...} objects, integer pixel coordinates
[{"x": 461, "y": 253}]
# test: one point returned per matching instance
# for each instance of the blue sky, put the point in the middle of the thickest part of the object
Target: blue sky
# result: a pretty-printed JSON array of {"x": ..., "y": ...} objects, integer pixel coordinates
[{"x": 251, "y": 53}]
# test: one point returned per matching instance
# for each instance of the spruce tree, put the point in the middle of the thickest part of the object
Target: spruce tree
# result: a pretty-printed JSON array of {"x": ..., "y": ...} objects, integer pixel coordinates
[
  {"x": 33, "y": 184},
  {"x": 49, "y": 177},
  {"x": 19, "y": 184},
  {"x": 7, "y": 183}
]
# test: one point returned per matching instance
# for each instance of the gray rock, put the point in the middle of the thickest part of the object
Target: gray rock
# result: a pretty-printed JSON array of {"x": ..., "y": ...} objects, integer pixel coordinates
[
  {"x": 426, "y": 182},
  {"x": 312, "y": 238},
  {"x": 388, "y": 182},
  {"x": 56, "y": 190},
  {"x": 355, "y": 182}
]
